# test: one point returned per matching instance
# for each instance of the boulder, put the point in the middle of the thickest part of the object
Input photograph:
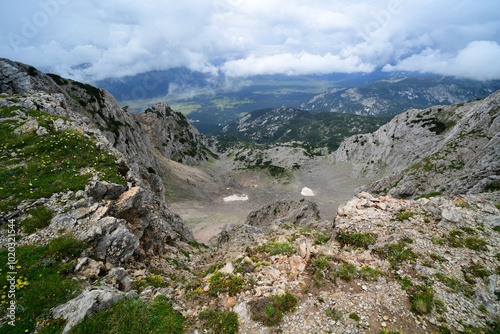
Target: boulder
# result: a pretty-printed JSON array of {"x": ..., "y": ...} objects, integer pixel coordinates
[
  {"x": 87, "y": 303},
  {"x": 113, "y": 241},
  {"x": 99, "y": 190}
]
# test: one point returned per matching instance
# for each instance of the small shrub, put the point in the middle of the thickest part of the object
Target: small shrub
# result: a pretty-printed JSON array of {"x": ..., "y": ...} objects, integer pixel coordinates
[
  {"x": 475, "y": 243},
  {"x": 65, "y": 247},
  {"x": 219, "y": 322},
  {"x": 231, "y": 284},
  {"x": 406, "y": 215},
  {"x": 336, "y": 315},
  {"x": 397, "y": 253},
  {"x": 346, "y": 271},
  {"x": 454, "y": 284},
  {"x": 357, "y": 240},
  {"x": 321, "y": 238},
  {"x": 270, "y": 311},
  {"x": 368, "y": 274},
  {"x": 354, "y": 316},
  {"x": 273, "y": 248},
  {"x": 421, "y": 299}
]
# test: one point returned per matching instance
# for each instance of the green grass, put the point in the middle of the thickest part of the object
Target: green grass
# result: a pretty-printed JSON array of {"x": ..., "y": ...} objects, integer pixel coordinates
[
  {"x": 336, "y": 315},
  {"x": 219, "y": 322},
  {"x": 40, "y": 218},
  {"x": 346, "y": 271},
  {"x": 44, "y": 165},
  {"x": 270, "y": 311},
  {"x": 130, "y": 316},
  {"x": 454, "y": 284},
  {"x": 397, "y": 253},
  {"x": 273, "y": 248},
  {"x": 229, "y": 283},
  {"x": 406, "y": 215},
  {"x": 368, "y": 274},
  {"x": 43, "y": 280},
  {"x": 357, "y": 240}
]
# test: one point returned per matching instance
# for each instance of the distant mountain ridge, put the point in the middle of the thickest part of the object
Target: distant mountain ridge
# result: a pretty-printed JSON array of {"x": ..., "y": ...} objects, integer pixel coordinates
[
  {"x": 322, "y": 129},
  {"x": 395, "y": 95}
]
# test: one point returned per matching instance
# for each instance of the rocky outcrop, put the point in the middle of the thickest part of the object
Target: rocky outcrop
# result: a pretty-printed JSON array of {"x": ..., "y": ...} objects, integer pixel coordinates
[
  {"x": 171, "y": 134},
  {"x": 120, "y": 222},
  {"x": 446, "y": 149}
]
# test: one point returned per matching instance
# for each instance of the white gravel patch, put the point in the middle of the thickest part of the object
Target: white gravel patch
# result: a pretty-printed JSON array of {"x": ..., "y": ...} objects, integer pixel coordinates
[
  {"x": 233, "y": 198},
  {"x": 307, "y": 192}
]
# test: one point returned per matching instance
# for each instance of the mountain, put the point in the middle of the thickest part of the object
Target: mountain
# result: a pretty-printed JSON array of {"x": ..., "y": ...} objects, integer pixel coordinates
[
  {"x": 90, "y": 244},
  {"x": 442, "y": 149},
  {"x": 391, "y": 96},
  {"x": 323, "y": 129}
]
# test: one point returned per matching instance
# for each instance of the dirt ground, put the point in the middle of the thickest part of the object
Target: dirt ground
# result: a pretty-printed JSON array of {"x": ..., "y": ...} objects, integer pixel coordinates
[{"x": 197, "y": 193}]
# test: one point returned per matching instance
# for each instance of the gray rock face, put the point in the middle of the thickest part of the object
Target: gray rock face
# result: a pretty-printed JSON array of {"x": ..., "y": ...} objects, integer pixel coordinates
[
  {"x": 301, "y": 214},
  {"x": 113, "y": 241},
  {"x": 104, "y": 190},
  {"x": 448, "y": 149},
  {"x": 87, "y": 303},
  {"x": 165, "y": 127},
  {"x": 95, "y": 113}
]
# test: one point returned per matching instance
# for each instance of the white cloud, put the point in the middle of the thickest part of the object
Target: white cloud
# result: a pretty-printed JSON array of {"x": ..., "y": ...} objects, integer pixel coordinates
[
  {"x": 478, "y": 60},
  {"x": 260, "y": 36},
  {"x": 301, "y": 63}
]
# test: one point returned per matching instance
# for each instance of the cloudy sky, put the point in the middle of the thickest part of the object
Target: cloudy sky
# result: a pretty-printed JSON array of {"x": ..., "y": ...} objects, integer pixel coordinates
[{"x": 247, "y": 37}]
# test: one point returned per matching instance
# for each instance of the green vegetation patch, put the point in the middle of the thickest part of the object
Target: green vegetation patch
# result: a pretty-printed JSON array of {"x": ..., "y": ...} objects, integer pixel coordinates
[
  {"x": 273, "y": 248},
  {"x": 130, "y": 316},
  {"x": 33, "y": 166},
  {"x": 357, "y": 240},
  {"x": 404, "y": 215},
  {"x": 397, "y": 253},
  {"x": 219, "y": 322},
  {"x": 454, "y": 284},
  {"x": 229, "y": 283},
  {"x": 422, "y": 300},
  {"x": 270, "y": 311},
  {"x": 40, "y": 218},
  {"x": 42, "y": 281}
]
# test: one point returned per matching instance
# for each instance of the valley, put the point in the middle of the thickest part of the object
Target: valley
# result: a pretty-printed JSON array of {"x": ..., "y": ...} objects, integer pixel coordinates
[{"x": 197, "y": 193}]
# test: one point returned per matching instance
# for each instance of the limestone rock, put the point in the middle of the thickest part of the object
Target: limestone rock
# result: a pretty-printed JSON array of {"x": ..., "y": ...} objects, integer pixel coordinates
[
  {"x": 87, "y": 303},
  {"x": 104, "y": 190},
  {"x": 119, "y": 278},
  {"x": 113, "y": 241},
  {"x": 227, "y": 269},
  {"x": 89, "y": 267}
]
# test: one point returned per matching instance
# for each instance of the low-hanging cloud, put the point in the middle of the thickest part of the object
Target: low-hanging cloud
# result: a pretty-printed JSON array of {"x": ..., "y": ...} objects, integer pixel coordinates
[
  {"x": 478, "y": 60},
  {"x": 295, "y": 64},
  {"x": 244, "y": 38}
]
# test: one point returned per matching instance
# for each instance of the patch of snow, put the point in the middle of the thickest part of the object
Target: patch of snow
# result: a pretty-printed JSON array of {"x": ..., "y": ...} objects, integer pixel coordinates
[
  {"x": 307, "y": 192},
  {"x": 233, "y": 198}
]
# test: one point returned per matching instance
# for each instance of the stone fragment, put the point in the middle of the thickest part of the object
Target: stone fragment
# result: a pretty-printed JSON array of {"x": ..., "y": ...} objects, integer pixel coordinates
[
  {"x": 28, "y": 127},
  {"x": 119, "y": 278},
  {"x": 227, "y": 269},
  {"x": 297, "y": 263},
  {"x": 305, "y": 249},
  {"x": 88, "y": 267}
]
